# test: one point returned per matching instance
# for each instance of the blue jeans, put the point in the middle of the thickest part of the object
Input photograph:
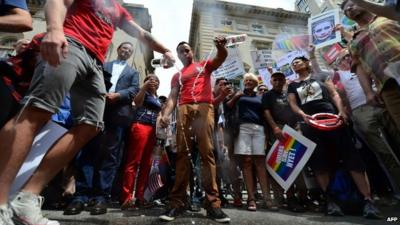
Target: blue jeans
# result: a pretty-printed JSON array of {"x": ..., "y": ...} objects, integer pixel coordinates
[{"x": 97, "y": 165}]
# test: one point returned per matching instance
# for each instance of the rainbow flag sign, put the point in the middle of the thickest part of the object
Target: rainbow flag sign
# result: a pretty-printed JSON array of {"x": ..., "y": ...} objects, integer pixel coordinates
[{"x": 285, "y": 160}]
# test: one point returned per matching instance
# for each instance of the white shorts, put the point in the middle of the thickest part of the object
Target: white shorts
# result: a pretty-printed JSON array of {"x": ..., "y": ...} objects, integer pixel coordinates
[{"x": 251, "y": 140}]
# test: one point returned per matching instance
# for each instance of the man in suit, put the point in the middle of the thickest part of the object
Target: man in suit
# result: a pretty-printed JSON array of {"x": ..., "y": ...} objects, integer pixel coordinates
[{"x": 97, "y": 164}]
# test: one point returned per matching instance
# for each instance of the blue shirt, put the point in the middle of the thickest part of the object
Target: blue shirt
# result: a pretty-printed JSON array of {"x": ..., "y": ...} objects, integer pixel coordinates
[
  {"x": 148, "y": 112},
  {"x": 250, "y": 109},
  {"x": 6, "y": 5}
]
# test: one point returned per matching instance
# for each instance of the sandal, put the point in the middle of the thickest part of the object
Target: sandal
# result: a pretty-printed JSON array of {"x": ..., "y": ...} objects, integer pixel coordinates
[
  {"x": 251, "y": 205},
  {"x": 271, "y": 205}
]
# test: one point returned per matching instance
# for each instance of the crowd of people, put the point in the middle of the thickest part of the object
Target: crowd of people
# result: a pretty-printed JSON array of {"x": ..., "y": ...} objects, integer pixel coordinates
[{"x": 206, "y": 144}]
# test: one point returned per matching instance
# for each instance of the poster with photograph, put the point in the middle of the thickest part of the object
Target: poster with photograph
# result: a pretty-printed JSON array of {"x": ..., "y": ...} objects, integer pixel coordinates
[
  {"x": 285, "y": 160},
  {"x": 284, "y": 64},
  {"x": 321, "y": 29}
]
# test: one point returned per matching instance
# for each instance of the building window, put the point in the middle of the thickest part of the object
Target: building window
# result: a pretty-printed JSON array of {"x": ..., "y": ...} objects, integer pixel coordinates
[
  {"x": 242, "y": 26},
  {"x": 257, "y": 28},
  {"x": 302, "y": 4},
  {"x": 226, "y": 24},
  {"x": 307, "y": 9}
]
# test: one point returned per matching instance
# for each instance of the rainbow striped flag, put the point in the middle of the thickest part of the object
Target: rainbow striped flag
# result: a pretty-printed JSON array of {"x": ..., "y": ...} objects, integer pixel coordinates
[
  {"x": 286, "y": 156},
  {"x": 286, "y": 159}
]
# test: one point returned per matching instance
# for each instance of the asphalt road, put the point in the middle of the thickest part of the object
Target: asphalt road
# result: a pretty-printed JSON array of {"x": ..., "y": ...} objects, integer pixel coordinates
[{"x": 238, "y": 216}]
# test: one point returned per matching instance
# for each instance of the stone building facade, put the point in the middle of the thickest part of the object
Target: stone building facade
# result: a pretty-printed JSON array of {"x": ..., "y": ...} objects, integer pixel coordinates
[{"x": 211, "y": 18}]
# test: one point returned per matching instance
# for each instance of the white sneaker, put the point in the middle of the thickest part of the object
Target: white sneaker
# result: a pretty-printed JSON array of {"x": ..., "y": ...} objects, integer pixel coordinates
[
  {"x": 5, "y": 215},
  {"x": 26, "y": 207}
]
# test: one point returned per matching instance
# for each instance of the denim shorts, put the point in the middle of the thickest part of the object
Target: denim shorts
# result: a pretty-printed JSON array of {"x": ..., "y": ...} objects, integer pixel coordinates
[
  {"x": 251, "y": 140},
  {"x": 81, "y": 75}
]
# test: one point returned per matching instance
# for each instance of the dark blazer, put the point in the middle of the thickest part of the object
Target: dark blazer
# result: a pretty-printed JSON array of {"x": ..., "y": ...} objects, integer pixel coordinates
[{"x": 127, "y": 86}]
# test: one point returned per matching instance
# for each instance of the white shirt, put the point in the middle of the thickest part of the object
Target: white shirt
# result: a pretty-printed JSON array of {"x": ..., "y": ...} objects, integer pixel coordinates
[
  {"x": 354, "y": 91},
  {"x": 117, "y": 68}
]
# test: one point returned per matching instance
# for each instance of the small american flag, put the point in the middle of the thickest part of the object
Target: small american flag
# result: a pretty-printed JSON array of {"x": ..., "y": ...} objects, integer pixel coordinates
[{"x": 154, "y": 182}]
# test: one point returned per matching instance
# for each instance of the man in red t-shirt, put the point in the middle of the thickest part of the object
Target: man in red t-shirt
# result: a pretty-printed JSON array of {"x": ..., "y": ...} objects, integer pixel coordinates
[
  {"x": 192, "y": 86},
  {"x": 73, "y": 51}
]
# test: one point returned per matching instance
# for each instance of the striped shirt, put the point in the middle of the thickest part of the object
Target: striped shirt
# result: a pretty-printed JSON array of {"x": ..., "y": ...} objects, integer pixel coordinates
[{"x": 375, "y": 45}]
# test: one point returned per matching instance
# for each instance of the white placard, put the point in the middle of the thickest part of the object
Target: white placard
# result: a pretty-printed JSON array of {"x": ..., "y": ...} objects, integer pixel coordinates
[
  {"x": 232, "y": 66},
  {"x": 47, "y": 136},
  {"x": 261, "y": 58},
  {"x": 284, "y": 64},
  {"x": 285, "y": 160},
  {"x": 321, "y": 28}
]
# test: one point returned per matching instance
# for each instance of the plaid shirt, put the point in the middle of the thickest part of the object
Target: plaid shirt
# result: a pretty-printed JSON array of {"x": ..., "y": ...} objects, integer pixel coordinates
[
  {"x": 17, "y": 71},
  {"x": 375, "y": 45}
]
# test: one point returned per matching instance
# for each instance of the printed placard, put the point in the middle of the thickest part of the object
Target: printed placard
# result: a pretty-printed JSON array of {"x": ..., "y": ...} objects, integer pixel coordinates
[
  {"x": 285, "y": 160},
  {"x": 321, "y": 29}
]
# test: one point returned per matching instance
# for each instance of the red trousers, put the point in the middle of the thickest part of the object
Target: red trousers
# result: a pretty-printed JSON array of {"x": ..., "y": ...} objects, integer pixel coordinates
[{"x": 139, "y": 150}]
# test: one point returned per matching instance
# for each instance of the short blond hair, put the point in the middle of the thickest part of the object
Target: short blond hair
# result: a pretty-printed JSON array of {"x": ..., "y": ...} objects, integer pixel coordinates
[{"x": 250, "y": 76}]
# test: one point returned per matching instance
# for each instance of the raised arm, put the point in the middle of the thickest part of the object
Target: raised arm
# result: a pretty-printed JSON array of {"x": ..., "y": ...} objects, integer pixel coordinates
[
  {"x": 54, "y": 44},
  {"x": 134, "y": 30},
  {"x": 222, "y": 53},
  {"x": 387, "y": 11},
  {"x": 315, "y": 66}
]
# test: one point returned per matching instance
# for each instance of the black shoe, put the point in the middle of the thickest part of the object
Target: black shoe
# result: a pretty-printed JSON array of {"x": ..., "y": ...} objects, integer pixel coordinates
[
  {"x": 74, "y": 208},
  {"x": 142, "y": 204},
  {"x": 370, "y": 211},
  {"x": 332, "y": 209},
  {"x": 218, "y": 215},
  {"x": 100, "y": 207},
  {"x": 171, "y": 214},
  {"x": 194, "y": 207},
  {"x": 294, "y": 205}
]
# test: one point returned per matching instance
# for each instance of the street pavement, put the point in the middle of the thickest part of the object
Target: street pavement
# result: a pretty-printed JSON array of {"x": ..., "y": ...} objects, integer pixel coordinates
[{"x": 238, "y": 216}]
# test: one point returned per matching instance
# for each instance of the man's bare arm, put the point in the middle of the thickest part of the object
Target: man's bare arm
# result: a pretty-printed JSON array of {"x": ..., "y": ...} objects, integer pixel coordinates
[
  {"x": 134, "y": 30},
  {"x": 16, "y": 20},
  {"x": 54, "y": 44},
  {"x": 171, "y": 102},
  {"x": 222, "y": 53},
  {"x": 380, "y": 10}
]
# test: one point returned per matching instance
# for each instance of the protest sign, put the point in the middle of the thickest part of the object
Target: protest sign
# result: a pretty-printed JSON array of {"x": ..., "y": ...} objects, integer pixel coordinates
[
  {"x": 261, "y": 58},
  {"x": 321, "y": 29},
  {"x": 285, "y": 160},
  {"x": 284, "y": 64},
  {"x": 333, "y": 52},
  {"x": 290, "y": 42},
  {"x": 232, "y": 66}
]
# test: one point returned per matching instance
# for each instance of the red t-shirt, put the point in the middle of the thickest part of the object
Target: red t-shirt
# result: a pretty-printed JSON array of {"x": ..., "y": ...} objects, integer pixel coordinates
[
  {"x": 92, "y": 23},
  {"x": 202, "y": 90}
]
